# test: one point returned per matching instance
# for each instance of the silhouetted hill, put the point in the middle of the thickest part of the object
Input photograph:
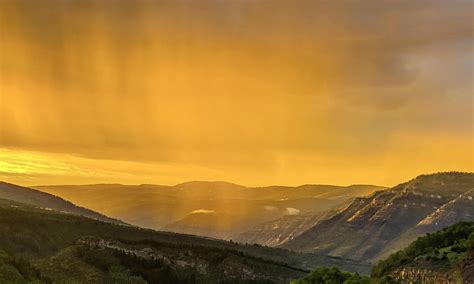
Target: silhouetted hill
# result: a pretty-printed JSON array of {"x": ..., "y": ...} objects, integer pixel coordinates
[
  {"x": 47, "y": 201},
  {"x": 373, "y": 227}
]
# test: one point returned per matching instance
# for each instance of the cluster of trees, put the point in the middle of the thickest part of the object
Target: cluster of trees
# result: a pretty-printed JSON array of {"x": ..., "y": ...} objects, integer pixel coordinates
[
  {"x": 156, "y": 271},
  {"x": 456, "y": 238},
  {"x": 332, "y": 275},
  {"x": 18, "y": 270},
  {"x": 122, "y": 267},
  {"x": 39, "y": 234},
  {"x": 214, "y": 255},
  {"x": 435, "y": 247}
]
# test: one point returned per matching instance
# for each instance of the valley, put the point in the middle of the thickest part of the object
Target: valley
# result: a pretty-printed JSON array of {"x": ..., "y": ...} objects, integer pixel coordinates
[
  {"x": 51, "y": 243},
  {"x": 268, "y": 235},
  {"x": 213, "y": 209}
]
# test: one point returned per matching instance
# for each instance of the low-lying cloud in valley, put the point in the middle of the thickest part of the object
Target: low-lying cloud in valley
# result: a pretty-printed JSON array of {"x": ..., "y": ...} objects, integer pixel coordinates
[
  {"x": 292, "y": 211},
  {"x": 203, "y": 211}
]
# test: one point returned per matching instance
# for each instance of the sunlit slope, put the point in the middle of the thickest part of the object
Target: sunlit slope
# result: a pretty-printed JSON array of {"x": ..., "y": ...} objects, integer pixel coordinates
[
  {"x": 286, "y": 228},
  {"x": 47, "y": 201},
  {"x": 279, "y": 231},
  {"x": 225, "y": 209},
  {"x": 371, "y": 228}
]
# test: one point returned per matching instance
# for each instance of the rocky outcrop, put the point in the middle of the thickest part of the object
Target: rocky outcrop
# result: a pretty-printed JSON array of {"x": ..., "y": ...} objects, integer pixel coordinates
[
  {"x": 422, "y": 276},
  {"x": 388, "y": 220},
  {"x": 279, "y": 231},
  {"x": 208, "y": 264},
  {"x": 466, "y": 268},
  {"x": 182, "y": 260},
  {"x": 142, "y": 253},
  {"x": 286, "y": 228}
]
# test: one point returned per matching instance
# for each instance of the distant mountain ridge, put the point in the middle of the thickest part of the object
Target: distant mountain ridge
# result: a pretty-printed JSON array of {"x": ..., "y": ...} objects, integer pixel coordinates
[
  {"x": 213, "y": 189},
  {"x": 237, "y": 208},
  {"x": 48, "y": 201},
  {"x": 375, "y": 226}
]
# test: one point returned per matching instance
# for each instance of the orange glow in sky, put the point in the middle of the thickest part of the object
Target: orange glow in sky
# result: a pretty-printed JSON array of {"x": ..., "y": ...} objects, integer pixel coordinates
[{"x": 252, "y": 92}]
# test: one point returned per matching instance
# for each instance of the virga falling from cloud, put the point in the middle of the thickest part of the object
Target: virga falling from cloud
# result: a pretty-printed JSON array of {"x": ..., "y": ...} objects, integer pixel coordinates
[{"x": 256, "y": 92}]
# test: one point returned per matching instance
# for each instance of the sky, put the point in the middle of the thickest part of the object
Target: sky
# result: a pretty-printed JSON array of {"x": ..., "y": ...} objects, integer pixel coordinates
[{"x": 257, "y": 92}]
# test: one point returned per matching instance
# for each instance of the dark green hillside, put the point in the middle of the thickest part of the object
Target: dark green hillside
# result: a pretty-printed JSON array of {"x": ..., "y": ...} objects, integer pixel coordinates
[
  {"x": 438, "y": 255},
  {"x": 332, "y": 275},
  {"x": 54, "y": 244},
  {"x": 17, "y": 270},
  {"x": 446, "y": 256}
]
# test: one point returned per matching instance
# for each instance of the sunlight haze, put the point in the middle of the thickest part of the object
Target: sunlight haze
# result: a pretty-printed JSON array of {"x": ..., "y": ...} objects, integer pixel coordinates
[{"x": 251, "y": 92}]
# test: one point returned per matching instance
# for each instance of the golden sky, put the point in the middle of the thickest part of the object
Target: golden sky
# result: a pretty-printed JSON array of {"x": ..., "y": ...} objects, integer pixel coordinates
[{"x": 254, "y": 92}]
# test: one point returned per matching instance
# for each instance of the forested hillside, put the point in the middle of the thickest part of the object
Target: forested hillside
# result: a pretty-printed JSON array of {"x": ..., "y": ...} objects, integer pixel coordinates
[
  {"x": 443, "y": 257},
  {"x": 62, "y": 248}
]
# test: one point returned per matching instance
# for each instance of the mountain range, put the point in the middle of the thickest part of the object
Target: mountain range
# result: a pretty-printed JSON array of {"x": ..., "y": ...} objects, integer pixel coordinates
[
  {"x": 308, "y": 218},
  {"x": 373, "y": 227},
  {"x": 213, "y": 209},
  {"x": 44, "y": 238}
]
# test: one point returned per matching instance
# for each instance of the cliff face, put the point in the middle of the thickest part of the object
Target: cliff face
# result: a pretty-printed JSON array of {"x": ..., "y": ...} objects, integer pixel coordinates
[
  {"x": 458, "y": 209},
  {"x": 276, "y": 232},
  {"x": 279, "y": 231},
  {"x": 463, "y": 273},
  {"x": 467, "y": 268},
  {"x": 445, "y": 256},
  {"x": 209, "y": 266},
  {"x": 388, "y": 220},
  {"x": 424, "y": 276}
]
